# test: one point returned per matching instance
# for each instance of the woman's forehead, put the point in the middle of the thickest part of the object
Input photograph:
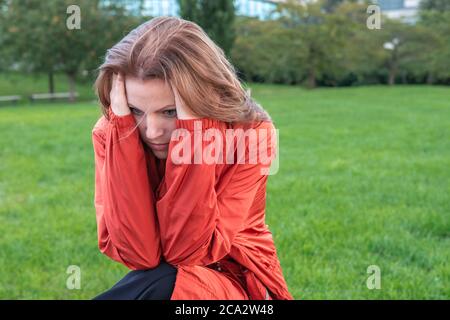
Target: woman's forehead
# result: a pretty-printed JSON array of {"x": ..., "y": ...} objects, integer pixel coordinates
[{"x": 148, "y": 95}]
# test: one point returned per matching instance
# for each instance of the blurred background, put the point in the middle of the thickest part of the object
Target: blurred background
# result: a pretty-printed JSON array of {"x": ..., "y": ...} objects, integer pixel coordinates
[{"x": 359, "y": 91}]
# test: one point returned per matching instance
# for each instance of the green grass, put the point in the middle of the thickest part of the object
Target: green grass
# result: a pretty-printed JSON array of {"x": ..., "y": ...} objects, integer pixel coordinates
[{"x": 364, "y": 180}]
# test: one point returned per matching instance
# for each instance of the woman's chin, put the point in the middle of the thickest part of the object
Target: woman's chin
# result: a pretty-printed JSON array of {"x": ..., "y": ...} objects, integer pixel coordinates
[{"x": 160, "y": 154}]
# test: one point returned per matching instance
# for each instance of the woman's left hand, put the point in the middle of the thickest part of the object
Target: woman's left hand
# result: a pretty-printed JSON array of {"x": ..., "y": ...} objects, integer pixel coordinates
[{"x": 183, "y": 113}]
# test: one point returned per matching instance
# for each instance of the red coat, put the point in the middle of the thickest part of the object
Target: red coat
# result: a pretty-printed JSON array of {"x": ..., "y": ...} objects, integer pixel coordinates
[{"x": 208, "y": 220}]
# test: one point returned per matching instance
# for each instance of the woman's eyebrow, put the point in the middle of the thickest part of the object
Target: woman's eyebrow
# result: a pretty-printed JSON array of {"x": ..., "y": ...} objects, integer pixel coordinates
[
  {"x": 134, "y": 107},
  {"x": 168, "y": 106},
  {"x": 163, "y": 108}
]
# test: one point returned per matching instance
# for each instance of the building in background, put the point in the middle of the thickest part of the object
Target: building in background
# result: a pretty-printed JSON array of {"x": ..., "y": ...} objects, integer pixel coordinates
[
  {"x": 400, "y": 9},
  {"x": 262, "y": 9}
]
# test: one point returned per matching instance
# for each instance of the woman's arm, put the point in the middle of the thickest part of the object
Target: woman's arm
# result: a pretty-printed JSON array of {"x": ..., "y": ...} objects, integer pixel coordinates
[
  {"x": 197, "y": 225},
  {"x": 124, "y": 201}
]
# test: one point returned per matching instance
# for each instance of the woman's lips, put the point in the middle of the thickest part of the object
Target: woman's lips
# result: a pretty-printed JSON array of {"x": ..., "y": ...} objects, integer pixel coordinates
[{"x": 158, "y": 147}]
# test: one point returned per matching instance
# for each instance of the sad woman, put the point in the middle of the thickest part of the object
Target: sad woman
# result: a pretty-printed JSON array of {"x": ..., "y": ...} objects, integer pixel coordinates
[{"x": 185, "y": 229}]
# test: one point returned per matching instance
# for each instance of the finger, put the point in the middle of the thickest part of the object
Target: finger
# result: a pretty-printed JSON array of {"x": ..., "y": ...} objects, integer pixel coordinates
[
  {"x": 121, "y": 86},
  {"x": 113, "y": 82},
  {"x": 117, "y": 83},
  {"x": 119, "y": 102}
]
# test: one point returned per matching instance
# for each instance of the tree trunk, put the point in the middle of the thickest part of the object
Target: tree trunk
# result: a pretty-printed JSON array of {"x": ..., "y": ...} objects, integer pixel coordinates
[
  {"x": 392, "y": 75},
  {"x": 71, "y": 78},
  {"x": 430, "y": 78},
  {"x": 393, "y": 68},
  {"x": 51, "y": 84},
  {"x": 312, "y": 78},
  {"x": 404, "y": 79}
]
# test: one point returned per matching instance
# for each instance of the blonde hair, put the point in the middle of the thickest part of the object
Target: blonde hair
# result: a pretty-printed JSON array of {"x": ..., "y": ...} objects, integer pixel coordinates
[{"x": 181, "y": 53}]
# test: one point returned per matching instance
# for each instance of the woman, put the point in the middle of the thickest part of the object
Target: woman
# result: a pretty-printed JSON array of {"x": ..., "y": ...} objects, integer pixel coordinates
[{"x": 188, "y": 227}]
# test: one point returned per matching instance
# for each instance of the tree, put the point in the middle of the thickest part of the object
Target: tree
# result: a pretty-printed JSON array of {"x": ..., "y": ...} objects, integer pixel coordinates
[
  {"x": 320, "y": 38},
  {"x": 435, "y": 20},
  {"x": 37, "y": 38},
  {"x": 263, "y": 52},
  {"x": 215, "y": 17},
  {"x": 331, "y": 5},
  {"x": 438, "y": 5},
  {"x": 360, "y": 54},
  {"x": 308, "y": 45},
  {"x": 318, "y": 46},
  {"x": 190, "y": 9}
]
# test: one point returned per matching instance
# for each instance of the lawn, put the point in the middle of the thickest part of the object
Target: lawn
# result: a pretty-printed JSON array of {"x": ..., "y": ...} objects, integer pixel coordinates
[{"x": 363, "y": 180}]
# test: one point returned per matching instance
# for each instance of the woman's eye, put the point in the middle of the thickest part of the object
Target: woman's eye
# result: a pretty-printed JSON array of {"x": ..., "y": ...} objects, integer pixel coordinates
[
  {"x": 136, "y": 111},
  {"x": 170, "y": 113}
]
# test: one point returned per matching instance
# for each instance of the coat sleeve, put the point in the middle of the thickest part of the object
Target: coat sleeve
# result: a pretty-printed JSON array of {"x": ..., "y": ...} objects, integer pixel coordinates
[
  {"x": 124, "y": 202},
  {"x": 198, "y": 225}
]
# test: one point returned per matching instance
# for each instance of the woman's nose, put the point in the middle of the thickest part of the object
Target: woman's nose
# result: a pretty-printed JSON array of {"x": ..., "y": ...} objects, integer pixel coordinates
[{"x": 154, "y": 129}]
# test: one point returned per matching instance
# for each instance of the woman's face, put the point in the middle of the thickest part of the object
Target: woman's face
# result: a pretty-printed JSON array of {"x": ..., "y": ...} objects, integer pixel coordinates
[{"x": 152, "y": 104}]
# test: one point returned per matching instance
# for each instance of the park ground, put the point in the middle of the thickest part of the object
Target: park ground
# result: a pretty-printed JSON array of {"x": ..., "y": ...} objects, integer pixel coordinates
[{"x": 363, "y": 180}]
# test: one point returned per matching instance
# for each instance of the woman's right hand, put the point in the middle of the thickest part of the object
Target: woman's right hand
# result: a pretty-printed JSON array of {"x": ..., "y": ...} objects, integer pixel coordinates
[{"x": 119, "y": 104}]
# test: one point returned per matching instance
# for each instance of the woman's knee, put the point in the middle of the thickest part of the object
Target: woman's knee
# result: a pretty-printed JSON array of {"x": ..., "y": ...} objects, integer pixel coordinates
[{"x": 161, "y": 282}]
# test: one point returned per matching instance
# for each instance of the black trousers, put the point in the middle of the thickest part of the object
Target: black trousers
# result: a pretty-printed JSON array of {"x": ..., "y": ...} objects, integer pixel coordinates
[{"x": 152, "y": 284}]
